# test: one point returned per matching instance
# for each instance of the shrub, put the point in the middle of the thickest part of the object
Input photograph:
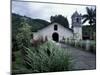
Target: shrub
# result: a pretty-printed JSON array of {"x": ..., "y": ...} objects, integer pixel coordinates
[
  {"x": 78, "y": 45},
  {"x": 83, "y": 45},
  {"x": 72, "y": 43},
  {"x": 49, "y": 58},
  {"x": 17, "y": 66},
  {"x": 93, "y": 47}
]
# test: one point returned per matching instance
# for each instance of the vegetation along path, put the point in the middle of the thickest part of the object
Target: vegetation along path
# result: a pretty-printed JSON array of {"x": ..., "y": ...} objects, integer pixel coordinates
[{"x": 82, "y": 60}]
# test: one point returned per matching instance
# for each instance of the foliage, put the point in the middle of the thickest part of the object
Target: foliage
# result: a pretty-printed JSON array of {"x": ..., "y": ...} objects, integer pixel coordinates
[
  {"x": 24, "y": 35},
  {"x": 60, "y": 19},
  {"x": 49, "y": 58},
  {"x": 35, "y": 23},
  {"x": 86, "y": 30},
  {"x": 22, "y": 38},
  {"x": 17, "y": 23},
  {"x": 90, "y": 16},
  {"x": 16, "y": 20},
  {"x": 93, "y": 47},
  {"x": 22, "y": 28},
  {"x": 18, "y": 66},
  {"x": 83, "y": 44}
]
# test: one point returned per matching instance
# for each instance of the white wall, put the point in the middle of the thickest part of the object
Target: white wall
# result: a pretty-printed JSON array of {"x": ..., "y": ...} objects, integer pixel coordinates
[
  {"x": 49, "y": 30},
  {"x": 78, "y": 32}
]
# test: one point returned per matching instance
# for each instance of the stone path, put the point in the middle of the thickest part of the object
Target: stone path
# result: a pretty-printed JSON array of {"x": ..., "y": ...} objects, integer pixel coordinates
[{"x": 82, "y": 60}]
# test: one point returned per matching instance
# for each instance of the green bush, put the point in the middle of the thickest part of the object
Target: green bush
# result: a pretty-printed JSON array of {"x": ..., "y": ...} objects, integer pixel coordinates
[
  {"x": 46, "y": 58},
  {"x": 78, "y": 45},
  {"x": 93, "y": 47},
  {"x": 72, "y": 43},
  {"x": 83, "y": 45},
  {"x": 17, "y": 65}
]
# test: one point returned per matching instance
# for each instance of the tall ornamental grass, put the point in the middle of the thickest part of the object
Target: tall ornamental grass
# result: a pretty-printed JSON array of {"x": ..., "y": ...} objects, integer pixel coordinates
[{"x": 47, "y": 58}]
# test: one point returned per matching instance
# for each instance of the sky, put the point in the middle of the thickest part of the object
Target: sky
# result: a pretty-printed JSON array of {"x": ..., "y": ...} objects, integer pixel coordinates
[{"x": 45, "y": 10}]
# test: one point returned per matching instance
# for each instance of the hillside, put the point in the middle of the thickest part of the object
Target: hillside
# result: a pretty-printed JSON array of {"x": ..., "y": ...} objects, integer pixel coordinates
[{"x": 35, "y": 23}]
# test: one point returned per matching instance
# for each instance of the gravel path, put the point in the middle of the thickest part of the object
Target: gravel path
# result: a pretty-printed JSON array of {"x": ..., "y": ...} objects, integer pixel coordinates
[{"x": 82, "y": 60}]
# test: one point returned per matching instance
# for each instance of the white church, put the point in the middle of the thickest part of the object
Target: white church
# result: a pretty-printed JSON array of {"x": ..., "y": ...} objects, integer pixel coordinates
[{"x": 58, "y": 32}]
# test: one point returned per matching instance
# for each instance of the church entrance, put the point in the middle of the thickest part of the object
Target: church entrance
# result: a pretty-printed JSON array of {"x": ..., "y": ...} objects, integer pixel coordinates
[{"x": 55, "y": 37}]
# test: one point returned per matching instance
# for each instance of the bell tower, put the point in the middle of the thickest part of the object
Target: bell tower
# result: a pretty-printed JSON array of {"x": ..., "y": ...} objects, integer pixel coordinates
[{"x": 77, "y": 25}]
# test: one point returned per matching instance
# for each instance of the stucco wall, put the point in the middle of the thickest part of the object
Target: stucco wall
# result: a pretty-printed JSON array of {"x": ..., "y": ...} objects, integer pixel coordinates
[
  {"x": 78, "y": 33},
  {"x": 49, "y": 30}
]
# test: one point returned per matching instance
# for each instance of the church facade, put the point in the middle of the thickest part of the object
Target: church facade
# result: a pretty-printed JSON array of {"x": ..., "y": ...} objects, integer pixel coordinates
[{"x": 58, "y": 32}]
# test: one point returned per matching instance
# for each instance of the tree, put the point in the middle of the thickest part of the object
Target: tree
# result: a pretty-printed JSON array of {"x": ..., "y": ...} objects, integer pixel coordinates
[
  {"x": 95, "y": 16},
  {"x": 20, "y": 37},
  {"x": 90, "y": 16},
  {"x": 24, "y": 35},
  {"x": 60, "y": 19}
]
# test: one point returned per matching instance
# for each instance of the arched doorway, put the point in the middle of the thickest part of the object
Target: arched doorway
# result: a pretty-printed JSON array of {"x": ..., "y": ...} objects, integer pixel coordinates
[{"x": 55, "y": 37}]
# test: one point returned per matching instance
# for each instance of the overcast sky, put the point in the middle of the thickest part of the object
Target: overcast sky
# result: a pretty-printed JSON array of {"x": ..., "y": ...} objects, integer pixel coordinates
[{"x": 45, "y": 10}]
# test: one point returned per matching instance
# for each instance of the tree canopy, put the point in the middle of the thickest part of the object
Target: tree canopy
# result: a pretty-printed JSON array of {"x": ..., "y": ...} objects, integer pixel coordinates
[
  {"x": 90, "y": 16},
  {"x": 60, "y": 19},
  {"x": 24, "y": 35}
]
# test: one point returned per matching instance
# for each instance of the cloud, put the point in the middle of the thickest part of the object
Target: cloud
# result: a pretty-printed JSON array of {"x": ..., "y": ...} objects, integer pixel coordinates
[{"x": 45, "y": 10}]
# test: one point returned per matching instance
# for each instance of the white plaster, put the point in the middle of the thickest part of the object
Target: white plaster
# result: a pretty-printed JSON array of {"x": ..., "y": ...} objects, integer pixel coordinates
[
  {"x": 78, "y": 33},
  {"x": 49, "y": 30}
]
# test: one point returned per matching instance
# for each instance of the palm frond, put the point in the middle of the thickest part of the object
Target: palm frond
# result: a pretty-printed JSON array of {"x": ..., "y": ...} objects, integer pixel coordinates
[
  {"x": 86, "y": 19},
  {"x": 85, "y": 16},
  {"x": 89, "y": 11},
  {"x": 89, "y": 16}
]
